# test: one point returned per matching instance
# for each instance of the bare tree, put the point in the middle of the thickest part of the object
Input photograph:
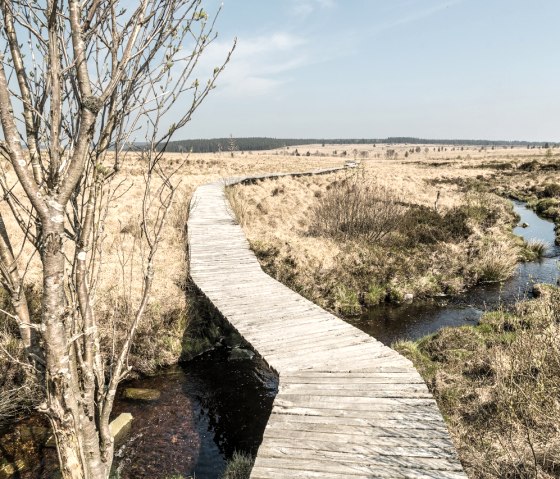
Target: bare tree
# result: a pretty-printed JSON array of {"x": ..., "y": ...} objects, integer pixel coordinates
[
  {"x": 232, "y": 145},
  {"x": 78, "y": 81}
]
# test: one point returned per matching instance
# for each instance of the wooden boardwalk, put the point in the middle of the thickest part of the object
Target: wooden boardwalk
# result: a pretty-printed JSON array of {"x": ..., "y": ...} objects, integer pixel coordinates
[{"x": 347, "y": 406}]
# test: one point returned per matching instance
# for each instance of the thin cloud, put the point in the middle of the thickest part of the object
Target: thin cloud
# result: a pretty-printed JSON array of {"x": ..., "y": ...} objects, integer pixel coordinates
[
  {"x": 259, "y": 64},
  {"x": 304, "y": 8},
  {"x": 418, "y": 15}
]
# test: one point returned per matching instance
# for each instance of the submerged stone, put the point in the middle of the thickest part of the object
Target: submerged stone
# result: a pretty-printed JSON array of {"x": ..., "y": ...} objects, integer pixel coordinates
[
  {"x": 239, "y": 354},
  {"x": 141, "y": 394},
  {"x": 120, "y": 427}
]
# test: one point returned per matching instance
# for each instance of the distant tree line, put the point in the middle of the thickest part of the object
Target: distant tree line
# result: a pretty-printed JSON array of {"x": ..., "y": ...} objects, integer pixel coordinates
[{"x": 216, "y": 145}]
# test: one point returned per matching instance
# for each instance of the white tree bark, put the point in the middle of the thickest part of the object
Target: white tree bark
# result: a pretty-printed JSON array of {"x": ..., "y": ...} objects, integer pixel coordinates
[{"x": 78, "y": 77}]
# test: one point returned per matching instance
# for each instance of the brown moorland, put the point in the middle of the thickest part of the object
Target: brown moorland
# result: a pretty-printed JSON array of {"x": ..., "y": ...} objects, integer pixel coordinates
[
  {"x": 455, "y": 191},
  {"x": 497, "y": 383}
]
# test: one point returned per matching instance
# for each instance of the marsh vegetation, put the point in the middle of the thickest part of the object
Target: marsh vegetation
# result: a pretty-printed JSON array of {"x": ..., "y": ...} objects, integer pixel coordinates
[
  {"x": 498, "y": 386},
  {"x": 449, "y": 226},
  {"x": 352, "y": 241}
]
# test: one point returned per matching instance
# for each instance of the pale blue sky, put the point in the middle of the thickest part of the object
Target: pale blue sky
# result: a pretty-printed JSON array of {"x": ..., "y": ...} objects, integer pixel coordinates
[{"x": 487, "y": 69}]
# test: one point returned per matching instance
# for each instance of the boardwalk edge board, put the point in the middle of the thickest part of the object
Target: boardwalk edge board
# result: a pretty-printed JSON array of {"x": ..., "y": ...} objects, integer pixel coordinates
[{"x": 348, "y": 406}]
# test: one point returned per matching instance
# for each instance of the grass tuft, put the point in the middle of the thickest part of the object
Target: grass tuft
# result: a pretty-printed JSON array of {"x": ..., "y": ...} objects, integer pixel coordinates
[
  {"x": 496, "y": 262},
  {"x": 537, "y": 247},
  {"x": 239, "y": 466},
  {"x": 238, "y": 205}
]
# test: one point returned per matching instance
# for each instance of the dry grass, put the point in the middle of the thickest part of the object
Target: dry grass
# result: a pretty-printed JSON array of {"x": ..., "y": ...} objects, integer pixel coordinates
[
  {"x": 165, "y": 334},
  {"x": 237, "y": 204},
  {"x": 496, "y": 262},
  {"x": 307, "y": 232},
  {"x": 17, "y": 390},
  {"x": 537, "y": 247},
  {"x": 498, "y": 385},
  {"x": 277, "y": 216},
  {"x": 239, "y": 466}
]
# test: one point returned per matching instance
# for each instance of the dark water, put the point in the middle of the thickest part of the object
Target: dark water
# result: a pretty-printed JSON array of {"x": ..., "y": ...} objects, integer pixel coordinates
[
  {"x": 390, "y": 323},
  {"x": 208, "y": 408}
]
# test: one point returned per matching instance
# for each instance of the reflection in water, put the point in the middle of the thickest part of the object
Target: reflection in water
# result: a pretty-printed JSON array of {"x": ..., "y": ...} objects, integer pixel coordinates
[
  {"x": 389, "y": 323},
  {"x": 208, "y": 408}
]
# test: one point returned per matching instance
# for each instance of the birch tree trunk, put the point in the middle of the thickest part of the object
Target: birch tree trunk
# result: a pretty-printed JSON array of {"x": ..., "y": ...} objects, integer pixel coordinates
[{"x": 76, "y": 81}]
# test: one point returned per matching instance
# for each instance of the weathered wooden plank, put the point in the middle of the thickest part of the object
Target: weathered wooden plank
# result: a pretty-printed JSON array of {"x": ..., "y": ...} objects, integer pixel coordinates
[
  {"x": 347, "y": 406},
  {"x": 366, "y": 350},
  {"x": 326, "y": 387},
  {"x": 334, "y": 449},
  {"x": 356, "y": 391},
  {"x": 391, "y": 403},
  {"x": 383, "y": 437},
  {"x": 354, "y": 378},
  {"x": 427, "y": 427},
  {"x": 350, "y": 469},
  {"x": 273, "y": 473},
  {"x": 293, "y": 334},
  {"x": 409, "y": 458},
  {"x": 305, "y": 346},
  {"x": 341, "y": 416}
]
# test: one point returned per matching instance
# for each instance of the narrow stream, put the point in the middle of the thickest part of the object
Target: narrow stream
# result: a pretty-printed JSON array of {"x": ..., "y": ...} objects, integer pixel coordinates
[
  {"x": 389, "y": 323},
  {"x": 209, "y": 407}
]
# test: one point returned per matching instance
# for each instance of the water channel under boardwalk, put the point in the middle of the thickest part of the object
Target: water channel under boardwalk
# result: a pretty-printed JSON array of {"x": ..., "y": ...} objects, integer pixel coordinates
[
  {"x": 389, "y": 323},
  {"x": 208, "y": 408}
]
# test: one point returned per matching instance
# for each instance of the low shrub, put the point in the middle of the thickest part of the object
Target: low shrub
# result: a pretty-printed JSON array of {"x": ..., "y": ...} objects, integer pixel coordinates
[
  {"x": 537, "y": 247},
  {"x": 495, "y": 262},
  {"x": 482, "y": 207},
  {"x": 357, "y": 208},
  {"x": 423, "y": 225},
  {"x": 374, "y": 295},
  {"x": 346, "y": 301},
  {"x": 546, "y": 203},
  {"x": 533, "y": 165},
  {"x": 551, "y": 190},
  {"x": 548, "y": 207}
]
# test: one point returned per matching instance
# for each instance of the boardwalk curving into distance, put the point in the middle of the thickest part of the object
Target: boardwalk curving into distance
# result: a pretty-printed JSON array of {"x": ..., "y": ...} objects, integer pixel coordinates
[{"x": 347, "y": 406}]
